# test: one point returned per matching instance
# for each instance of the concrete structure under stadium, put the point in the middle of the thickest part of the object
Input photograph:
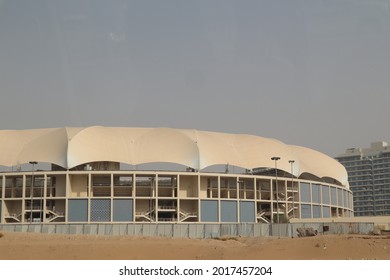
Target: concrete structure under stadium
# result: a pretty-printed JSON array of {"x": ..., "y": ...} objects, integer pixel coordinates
[{"x": 113, "y": 175}]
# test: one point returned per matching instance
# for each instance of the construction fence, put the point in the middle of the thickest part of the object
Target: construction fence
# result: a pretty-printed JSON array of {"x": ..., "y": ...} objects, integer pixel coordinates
[{"x": 193, "y": 230}]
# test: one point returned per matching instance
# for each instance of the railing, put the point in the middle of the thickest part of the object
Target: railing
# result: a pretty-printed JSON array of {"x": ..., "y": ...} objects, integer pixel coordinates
[
  {"x": 166, "y": 184},
  {"x": 54, "y": 211},
  {"x": 167, "y": 207},
  {"x": 123, "y": 184},
  {"x": 167, "y": 219},
  {"x": 143, "y": 192},
  {"x": 186, "y": 215},
  {"x": 101, "y": 185},
  {"x": 34, "y": 207},
  {"x": 261, "y": 216},
  {"x": 54, "y": 214},
  {"x": 13, "y": 192},
  {"x": 146, "y": 214},
  {"x": 145, "y": 183},
  {"x": 15, "y": 216},
  {"x": 101, "y": 191},
  {"x": 123, "y": 191}
]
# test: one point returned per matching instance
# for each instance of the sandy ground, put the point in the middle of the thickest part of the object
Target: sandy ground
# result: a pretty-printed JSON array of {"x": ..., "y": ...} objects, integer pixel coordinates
[{"x": 18, "y": 246}]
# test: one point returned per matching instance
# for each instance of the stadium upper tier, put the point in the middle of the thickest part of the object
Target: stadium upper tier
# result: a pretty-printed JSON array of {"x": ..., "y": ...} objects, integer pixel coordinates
[{"x": 69, "y": 147}]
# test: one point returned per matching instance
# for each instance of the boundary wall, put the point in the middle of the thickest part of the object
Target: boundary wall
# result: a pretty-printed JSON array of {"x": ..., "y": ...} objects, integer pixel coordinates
[{"x": 193, "y": 230}]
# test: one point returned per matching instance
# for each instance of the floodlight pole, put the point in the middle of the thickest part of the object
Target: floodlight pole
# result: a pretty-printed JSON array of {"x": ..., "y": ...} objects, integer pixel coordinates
[
  {"x": 32, "y": 189},
  {"x": 292, "y": 185},
  {"x": 277, "y": 187}
]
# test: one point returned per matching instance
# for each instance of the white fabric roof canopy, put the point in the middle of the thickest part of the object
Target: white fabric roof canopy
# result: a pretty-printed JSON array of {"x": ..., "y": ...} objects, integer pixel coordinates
[{"x": 70, "y": 147}]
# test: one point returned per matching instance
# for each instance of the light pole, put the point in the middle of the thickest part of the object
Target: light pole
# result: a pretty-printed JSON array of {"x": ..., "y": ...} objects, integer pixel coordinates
[
  {"x": 277, "y": 187},
  {"x": 32, "y": 189},
  {"x": 151, "y": 199},
  {"x": 239, "y": 184},
  {"x": 292, "y": 185}
]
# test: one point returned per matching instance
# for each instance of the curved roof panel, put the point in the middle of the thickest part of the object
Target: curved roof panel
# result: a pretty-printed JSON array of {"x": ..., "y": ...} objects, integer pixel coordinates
[
  {"x": 70, "y": 147},
  {"x": 319, "y": 164}
]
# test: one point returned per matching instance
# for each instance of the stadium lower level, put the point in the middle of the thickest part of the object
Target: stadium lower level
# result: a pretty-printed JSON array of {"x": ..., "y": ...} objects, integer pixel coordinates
[{"x": 87, "y": 196}]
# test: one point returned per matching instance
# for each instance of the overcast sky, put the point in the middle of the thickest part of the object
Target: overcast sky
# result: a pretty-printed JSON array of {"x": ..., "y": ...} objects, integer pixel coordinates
[{"x": 309, "y": 73}]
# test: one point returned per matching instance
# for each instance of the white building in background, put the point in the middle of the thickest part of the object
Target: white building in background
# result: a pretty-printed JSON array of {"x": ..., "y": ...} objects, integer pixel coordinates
[
  {"x": 113, "y": 175},
  {"x": 369, "y": 178}
]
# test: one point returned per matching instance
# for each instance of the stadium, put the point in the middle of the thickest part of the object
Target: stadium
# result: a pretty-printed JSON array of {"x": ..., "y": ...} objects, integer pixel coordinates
[{"x": 163, "y": 175}]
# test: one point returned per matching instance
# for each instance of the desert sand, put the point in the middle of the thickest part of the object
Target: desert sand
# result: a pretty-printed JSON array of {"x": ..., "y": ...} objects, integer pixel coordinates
[{"x": 34, "y": 246}]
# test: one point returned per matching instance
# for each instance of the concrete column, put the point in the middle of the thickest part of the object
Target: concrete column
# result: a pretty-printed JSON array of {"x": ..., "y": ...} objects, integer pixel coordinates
[
  {"x": 155, "y": 192},
  {"x": 24, "y": 199},
  {"x": 199, "y": 205},
  {"x": 133, "y": 196},
  {"x": 272, "y": 200},
  {"x": 177, "y": 196},
  {"x": 67, "y": 191},
  {"x": 112, "y": 198},
  {"x": 44, "y": 198},
  {"x": 238, "y": 198},
  {"x": 219, "y": 198},
  {"x": 2, "y": 199}
]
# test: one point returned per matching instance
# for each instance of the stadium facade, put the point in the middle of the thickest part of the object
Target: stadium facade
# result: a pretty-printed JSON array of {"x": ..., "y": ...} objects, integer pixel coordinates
[{"x": 109, "y": 175}]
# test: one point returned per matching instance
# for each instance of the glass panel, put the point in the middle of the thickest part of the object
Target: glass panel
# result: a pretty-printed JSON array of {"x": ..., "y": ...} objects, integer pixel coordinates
[
  {"x": 247, "y": 212},
  {"x": 326, "y": 212},
  {"x": 316, "y": 211},
  {"x": 325, "y": 195},
  {"x": 345, "y": 199},
  {"x": 333, "y": 196},
  {"x": 123, "y": 210},
  {"x": 78, "y": 210},
  {"x": 340, "y": 197},
  {"x": 229, "y": 211},
  {"x": 316, "y": 194},
  {"x": 209, "y": 210},
  {"x": 305, "y": 211},
  {"x": 305, "y": 192}
]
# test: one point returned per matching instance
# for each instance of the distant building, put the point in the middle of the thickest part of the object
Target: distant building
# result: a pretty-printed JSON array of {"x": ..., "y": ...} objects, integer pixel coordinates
[{"x": 369, "y": 178}]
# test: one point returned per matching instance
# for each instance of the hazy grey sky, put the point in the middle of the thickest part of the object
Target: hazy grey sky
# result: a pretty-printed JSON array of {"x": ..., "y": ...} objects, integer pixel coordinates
[{"x": 309, "y": 73}]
